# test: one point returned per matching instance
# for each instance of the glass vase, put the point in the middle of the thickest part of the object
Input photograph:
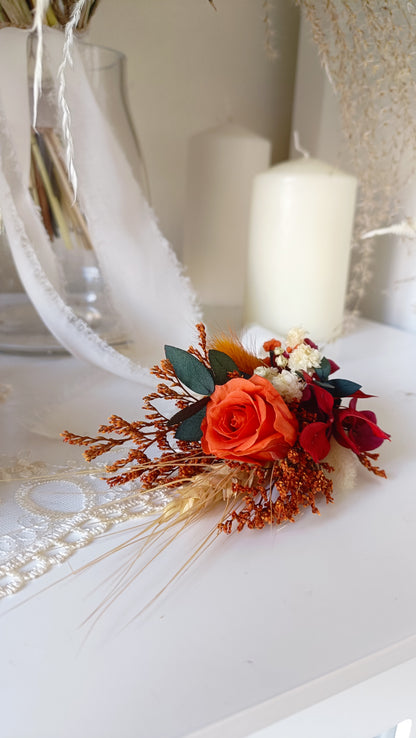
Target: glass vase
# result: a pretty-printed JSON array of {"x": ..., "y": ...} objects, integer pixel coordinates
[{"x": 21, "y": 328}]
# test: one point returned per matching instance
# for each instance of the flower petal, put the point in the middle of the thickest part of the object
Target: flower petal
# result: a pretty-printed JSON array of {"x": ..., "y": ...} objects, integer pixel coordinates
[{"x": 315, "y": 441}]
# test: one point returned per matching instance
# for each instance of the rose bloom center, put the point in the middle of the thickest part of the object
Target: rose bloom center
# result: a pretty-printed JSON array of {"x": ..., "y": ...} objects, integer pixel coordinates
[{"x": 240, "y": 417}]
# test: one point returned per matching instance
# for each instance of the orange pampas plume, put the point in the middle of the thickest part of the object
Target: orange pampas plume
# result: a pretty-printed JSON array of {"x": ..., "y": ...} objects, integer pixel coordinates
[{"x": 231, "y": 345}]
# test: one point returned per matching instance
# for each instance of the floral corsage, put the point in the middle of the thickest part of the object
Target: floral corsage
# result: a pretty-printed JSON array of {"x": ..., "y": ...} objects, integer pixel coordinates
[{"x": 260, "y": 437}]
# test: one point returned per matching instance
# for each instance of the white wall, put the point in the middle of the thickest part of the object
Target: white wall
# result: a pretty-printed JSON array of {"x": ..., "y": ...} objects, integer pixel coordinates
[{"x": 191, "y": 68}]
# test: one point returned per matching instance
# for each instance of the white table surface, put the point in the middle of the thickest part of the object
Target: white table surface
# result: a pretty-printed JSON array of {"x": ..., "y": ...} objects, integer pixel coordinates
[{"x": 264, "y": 625}]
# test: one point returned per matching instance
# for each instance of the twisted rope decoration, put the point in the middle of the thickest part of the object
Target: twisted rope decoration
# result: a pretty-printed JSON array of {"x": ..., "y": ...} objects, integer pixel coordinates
[
  {"x": 37, "y": 27},
  {"x": 63, "y": 105}
]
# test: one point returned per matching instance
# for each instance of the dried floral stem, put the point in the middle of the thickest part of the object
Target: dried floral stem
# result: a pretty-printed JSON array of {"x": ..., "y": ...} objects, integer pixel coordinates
[
  {"x": 71, "y": 208},
  {"x": 52, "y": 191},
  {"x": 16, "y": 13},
  {"x": 51, "y": 197},
  {"x": 19, "y": 13},
  {"x": 366, "y": 460}
]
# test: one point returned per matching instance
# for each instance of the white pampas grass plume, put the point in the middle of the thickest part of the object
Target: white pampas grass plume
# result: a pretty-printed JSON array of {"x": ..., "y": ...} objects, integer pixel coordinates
[
  {"x": 40, "y": 10},
  {"x": 345, "y": 465},
  {"x": 406, "y": 228}
]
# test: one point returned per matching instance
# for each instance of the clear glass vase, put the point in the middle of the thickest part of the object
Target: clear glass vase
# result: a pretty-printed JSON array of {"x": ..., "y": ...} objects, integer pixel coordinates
[{"x": 21, "y": 328}]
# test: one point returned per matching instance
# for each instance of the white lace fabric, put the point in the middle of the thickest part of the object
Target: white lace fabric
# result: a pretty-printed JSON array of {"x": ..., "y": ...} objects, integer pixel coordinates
[
  {"x": 51, "y": 501},
  {"x": 49, "y": 512}
]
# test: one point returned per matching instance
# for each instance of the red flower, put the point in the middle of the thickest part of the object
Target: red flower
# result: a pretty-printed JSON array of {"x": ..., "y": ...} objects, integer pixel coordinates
[
  {"x": 314, "y": 439},
  {"x": 248, "y": 420},
  {"x": 317, "y": 399},
  {"x": 358, "y": 429}
]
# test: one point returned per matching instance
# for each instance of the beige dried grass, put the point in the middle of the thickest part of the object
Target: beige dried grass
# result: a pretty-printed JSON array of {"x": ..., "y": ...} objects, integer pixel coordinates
[{"x": 19, "y": 13}]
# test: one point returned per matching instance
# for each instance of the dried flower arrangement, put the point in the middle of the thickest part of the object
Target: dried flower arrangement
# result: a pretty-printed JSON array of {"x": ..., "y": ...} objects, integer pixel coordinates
[
  {"x": 366, "y": 49},
  {"x": 257, "y": 437}
]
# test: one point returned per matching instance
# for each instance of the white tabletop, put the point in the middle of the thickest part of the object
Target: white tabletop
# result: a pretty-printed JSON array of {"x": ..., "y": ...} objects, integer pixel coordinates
[{"x": 263, "y": 625}]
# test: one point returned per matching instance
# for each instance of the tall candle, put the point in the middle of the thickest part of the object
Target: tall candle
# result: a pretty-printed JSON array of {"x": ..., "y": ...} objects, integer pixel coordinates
[
  {"x": 222, "y": 163},
  {"x": 301, "y": 223}
]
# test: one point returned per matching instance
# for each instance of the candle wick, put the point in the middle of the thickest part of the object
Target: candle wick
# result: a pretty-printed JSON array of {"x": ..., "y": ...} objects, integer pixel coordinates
[{"x": 298, "y": 147}]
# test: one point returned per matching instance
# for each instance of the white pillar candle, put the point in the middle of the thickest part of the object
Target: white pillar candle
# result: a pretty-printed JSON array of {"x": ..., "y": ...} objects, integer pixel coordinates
[
  {"x": 222, "y": 163},
  {"x": 301, "y": 223}
]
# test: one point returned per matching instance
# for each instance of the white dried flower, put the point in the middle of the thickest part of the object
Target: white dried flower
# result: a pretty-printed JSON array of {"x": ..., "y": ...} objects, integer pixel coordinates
[
  {"x": 295, "y": 336},
  {"x": 304, "y": 358},
  {"x": 288, "y": 385},
  {"x": 267, "y": 372},
  {"x": 281, "y": 361}
]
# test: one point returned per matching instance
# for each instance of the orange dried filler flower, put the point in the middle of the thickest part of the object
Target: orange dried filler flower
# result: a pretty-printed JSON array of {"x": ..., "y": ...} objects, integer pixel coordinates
[{"x": 279, "y": 492}]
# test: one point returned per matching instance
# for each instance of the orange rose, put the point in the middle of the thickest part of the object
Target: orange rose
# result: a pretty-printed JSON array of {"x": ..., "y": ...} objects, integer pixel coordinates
[{"x": 247, "y": 420}]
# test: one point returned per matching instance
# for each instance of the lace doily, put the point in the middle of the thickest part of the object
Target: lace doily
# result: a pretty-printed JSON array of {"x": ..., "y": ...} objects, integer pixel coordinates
[{"x": 49, "y": 512}]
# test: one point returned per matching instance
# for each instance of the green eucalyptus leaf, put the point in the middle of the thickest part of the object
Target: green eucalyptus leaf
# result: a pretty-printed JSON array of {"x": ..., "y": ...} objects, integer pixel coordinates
[
  {"x": 324, "y": 370},
  {"x": 190, "y": 371},
  {"x": 188, "y": 411},
  {"x": 221, "y": 366},
  {"x": 328, "y": 386},
  {"x": 344, "y": 387},
  {"x": 190, "y": 429}
]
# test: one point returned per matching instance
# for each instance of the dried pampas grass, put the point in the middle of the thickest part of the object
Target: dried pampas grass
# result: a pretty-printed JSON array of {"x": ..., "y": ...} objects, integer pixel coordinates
[{"x": 367, "y": 50}]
